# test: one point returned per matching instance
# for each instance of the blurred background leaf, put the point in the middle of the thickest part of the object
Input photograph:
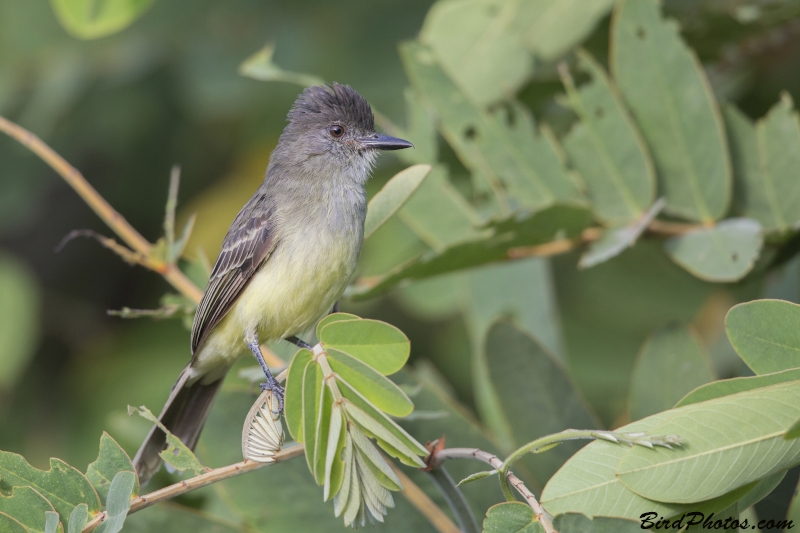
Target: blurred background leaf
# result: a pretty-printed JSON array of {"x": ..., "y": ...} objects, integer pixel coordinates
[
  {"x": 89, "y": 19},
  {"x": 674, "y": 354},
  {"x": 665, "y": 86},
  {"x": 19, "y": 319}
]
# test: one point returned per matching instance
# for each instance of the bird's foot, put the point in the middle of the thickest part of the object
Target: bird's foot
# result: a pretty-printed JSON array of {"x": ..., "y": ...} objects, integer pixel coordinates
[{"x": 273, "y": 386}]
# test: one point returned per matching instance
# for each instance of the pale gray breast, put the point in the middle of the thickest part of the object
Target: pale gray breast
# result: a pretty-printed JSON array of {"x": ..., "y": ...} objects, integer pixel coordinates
[{"x": 325, "y": 220}]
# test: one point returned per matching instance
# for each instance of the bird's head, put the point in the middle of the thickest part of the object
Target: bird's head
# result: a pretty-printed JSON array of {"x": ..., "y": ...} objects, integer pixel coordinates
[{"x": 332, "y": 128}]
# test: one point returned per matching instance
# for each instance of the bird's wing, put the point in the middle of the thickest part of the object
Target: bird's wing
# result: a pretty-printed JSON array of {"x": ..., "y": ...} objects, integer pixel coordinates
[{"x": 247, "y": 245}]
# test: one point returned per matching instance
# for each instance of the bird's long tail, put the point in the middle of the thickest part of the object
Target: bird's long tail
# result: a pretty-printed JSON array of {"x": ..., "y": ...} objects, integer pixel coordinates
[{"x": 184, "y": 415}]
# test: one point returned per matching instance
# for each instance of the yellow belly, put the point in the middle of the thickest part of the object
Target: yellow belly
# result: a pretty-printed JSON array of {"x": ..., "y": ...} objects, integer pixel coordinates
[{"x": 291, "y": 291}]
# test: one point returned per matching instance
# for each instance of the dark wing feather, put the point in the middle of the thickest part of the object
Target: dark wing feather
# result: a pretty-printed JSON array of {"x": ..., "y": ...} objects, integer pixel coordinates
[{"x": 247, "y": 245}]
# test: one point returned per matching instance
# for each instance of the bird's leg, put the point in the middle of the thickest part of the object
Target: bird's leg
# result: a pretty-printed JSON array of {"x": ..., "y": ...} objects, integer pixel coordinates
[
  {"x": 300, "y": 343},
  {"x": 335, "y": 308},
  {"x": 271, "y": 384}
]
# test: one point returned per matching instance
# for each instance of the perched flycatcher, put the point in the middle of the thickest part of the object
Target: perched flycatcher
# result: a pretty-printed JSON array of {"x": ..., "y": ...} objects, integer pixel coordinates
[{"x": 287, "y": 257}]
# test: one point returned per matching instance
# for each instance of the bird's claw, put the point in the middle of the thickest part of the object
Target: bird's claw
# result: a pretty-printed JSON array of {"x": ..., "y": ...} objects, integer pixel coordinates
[{"x": 277, "y": 391}]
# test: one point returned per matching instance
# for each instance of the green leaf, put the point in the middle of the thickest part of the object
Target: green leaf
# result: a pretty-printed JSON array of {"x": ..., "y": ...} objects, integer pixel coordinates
[
  {"x": 766, "y": 334},
  {"x": 259, "y": 66},
  {"x": 334, "y": 466},
  {"x": 519, "y": 165},
  {"x": 725, "y": 387},
  {"x": 379, "y": 390},
  {"x": 499, "y": 66},
  {"x": 723, "y": 253},
  {"x": 387, "y": 439},
  {"x": 762, "y": 489},
  {"x": 378, "y": 344},
  {"x": 353, "y": 503},
  {"x": 19, "y": 320},
  {"x": 392, "y": 196},
  {"x": 375, "y": 499},
  {"x": 177, "y": 454},
  {"x": 435, "y": 298},
  {"x": 420, "y": 131},
  {"x": 293, "y": 400},
  {"x": 26, "y": 506},
  {"x": 666, "y": 88},
  {"x": 394, "y": 245},
  {"x": 555, "y": 222},
  {"x": 522, "y": 290},
  {"x": 511, "y": 517},
  {"x": 606, "y": 147},
  {"x": 64, "y": 486},
  {"x": 794, "y": 431},
  {"x": 487, "y": 46},
  {"x": 746, "y": 447},
  {"x": 476, "y": 476},
  {"x": 671, "y": 363},
  {"x": 92, "y": 19},
  {"x": 9, "y": 525},
  {"x": 617, "y": 239},
  {"x": 323, "y": 425},
  {"x": 551, "y": 27},
  {"x": 578, "y": 523},
  {"x": 51, "y": 523},
  {"x": 439, "y": 215},
  {"x": 78, "y": 518},
  {"x": 794, "y": 506},
  {"x": 119, "y": 501},
  {"x": 372, "y": 493},
  {"x": 765, "y": 161},
  {"x": 588, "y": 483},
  {"x": 534, "y": 392},
  {"x": 312, "y": 391},
  {"x": 377, "y": 465},
  {"x": 111, "y": 459},
  {"x": 342, "y": 498},
  {"x": 377, "y": 425},
  {"x": 731, "y": 512},
  {"x": 335, "y": 317}
]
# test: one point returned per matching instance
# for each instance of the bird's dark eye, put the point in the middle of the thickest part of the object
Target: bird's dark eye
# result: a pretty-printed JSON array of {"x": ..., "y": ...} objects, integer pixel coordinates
[{"x": 336, "y": 131}]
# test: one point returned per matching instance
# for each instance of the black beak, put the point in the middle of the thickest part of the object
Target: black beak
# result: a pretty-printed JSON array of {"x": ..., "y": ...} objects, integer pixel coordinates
[{"x": 384, "y": 142}]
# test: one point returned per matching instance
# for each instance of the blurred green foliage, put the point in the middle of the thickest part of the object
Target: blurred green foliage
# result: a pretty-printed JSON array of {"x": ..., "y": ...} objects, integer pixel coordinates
[{"x": 514, "y": 140}]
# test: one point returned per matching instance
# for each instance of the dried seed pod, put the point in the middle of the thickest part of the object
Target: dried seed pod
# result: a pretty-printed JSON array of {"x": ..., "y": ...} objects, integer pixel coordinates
[{"x": 262, "y": 435}]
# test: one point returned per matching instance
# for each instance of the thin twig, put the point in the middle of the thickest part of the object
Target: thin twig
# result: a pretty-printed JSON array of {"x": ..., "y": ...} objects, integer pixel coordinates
[
  {"x": 99, "y": 205},
  {"x": 558, "y": 247},
  {"x": 474, "y": 453},
  {"x": 182, "y": 487},
  {"x": 657, "y": 227},
  {"x": 172, "y": 205},
  {"x": 424, "y": 504},
  {"x": 668, "y": 229}
]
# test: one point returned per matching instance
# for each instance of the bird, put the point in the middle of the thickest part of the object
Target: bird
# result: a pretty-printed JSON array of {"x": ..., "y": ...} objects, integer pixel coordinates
[{"x": 286, "y": 259}]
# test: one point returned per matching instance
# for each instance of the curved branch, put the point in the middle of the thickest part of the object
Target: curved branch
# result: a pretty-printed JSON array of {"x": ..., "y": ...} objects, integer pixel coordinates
[
  {"x": 188, "y": 485},
  {"x": 438, "y": 457}
]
